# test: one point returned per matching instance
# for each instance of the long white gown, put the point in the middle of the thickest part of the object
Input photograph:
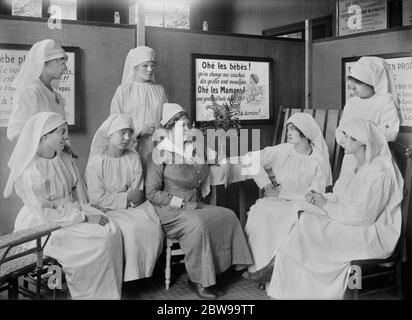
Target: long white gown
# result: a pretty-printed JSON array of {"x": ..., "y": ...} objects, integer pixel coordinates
[
  {"x": 108, "y": 180},
  {"x": 91, "y": 254},
  {"x": 270, "y": 219},
  {"x": 144, "y": 102},
  {"x": 363, "y": 221},
  {"x": 34, "y": 99}
]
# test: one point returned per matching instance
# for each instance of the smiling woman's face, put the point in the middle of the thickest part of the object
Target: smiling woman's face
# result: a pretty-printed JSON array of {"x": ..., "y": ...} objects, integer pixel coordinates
[{"x": 144, "y": 71}]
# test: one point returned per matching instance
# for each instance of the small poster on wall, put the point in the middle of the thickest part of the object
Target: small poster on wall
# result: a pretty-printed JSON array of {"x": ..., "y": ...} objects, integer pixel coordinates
[
  {"x": 223, "y": 76},
  {"x": 12, "y": 57},
  {"x": 355, "y": 16},
  {"x": 407, "y": 12},
  {"x": 401, "y": 65}
]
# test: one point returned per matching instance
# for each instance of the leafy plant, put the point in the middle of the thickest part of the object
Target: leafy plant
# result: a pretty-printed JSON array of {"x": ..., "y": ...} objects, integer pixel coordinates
[{"x": 226, "y": 115}]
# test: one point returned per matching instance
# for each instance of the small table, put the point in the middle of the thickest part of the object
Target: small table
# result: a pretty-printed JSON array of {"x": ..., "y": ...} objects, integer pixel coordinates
[
  {"x": 16, "y": 260},
  {"x": 217, "y": 177}
]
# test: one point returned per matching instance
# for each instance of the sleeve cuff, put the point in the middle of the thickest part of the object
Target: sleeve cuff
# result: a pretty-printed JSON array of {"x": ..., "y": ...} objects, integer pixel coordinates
[{"x": 176, "y": 202}]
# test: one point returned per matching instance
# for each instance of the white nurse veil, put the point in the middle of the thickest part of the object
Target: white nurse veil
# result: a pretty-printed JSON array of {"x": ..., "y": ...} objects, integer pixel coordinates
[
  {"x": 135, "y": 57},
  {"x": 28, "y": 143},
  {"x": 32, "y": 67}
]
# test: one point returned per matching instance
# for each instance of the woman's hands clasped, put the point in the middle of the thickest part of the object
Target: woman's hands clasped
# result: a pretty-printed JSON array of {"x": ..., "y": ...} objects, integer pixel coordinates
[
  {"x": 316, "y": 199},
  {"x": 97, "y": 219}
]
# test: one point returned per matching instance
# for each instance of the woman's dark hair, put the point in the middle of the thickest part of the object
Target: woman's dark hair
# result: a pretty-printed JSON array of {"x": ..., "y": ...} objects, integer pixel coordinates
[
  {"x": 358, "y": 81},
  {"x": 297, "y": 129},
  {"x": 170, "y": 124}
]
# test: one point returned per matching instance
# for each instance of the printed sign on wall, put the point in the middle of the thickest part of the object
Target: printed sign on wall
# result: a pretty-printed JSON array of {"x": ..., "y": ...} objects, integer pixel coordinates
[
  {"x": 356, "y": 16},
  {"x": 222, "y": 76}
]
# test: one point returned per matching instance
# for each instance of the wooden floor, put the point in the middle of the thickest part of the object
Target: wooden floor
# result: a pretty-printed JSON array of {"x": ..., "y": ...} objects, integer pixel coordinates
[{"x": 234, "y": 286}]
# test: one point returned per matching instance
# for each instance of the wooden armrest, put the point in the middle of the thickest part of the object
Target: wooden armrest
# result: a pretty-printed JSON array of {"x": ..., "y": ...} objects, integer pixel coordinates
[
  {"x": 392, "y": 258},
  {"x": 27, "y": 235}
]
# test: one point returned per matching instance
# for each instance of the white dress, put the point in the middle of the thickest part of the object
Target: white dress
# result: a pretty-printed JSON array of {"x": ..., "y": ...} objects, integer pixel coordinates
[
  {"x": 363, "y": 221},
  {"x": 108, "y": 180},
  {"x": 91, "y": 254},
  {"x": 270, "y": 219},
  {"x": 34, "y": 99},
  {"x": 144, "y": 103}
]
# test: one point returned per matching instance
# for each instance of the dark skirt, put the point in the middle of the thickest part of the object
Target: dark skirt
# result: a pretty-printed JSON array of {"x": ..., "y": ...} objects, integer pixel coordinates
[{"x": 211, "y": 238}]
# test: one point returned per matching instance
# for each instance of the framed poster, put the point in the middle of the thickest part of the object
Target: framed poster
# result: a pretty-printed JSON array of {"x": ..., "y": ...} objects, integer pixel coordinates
[
  {"x": 401, "y": 65},
  {"x": 355, "y": 16},
  {"x": 12, "y": 57},
  {"x": 222, "y": 76},
  {"x": 406, "y": 12}
]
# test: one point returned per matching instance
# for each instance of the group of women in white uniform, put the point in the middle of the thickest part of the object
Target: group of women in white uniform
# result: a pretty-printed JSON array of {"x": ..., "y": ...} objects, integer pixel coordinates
[{"x": 298, "y": 239}]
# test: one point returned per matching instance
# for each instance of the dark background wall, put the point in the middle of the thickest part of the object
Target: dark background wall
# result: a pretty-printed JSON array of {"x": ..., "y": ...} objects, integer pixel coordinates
[
  {"x": 103, "y": 50},
  {"x": 328, "y": 54},
  {"x": 174, "y": 49}
]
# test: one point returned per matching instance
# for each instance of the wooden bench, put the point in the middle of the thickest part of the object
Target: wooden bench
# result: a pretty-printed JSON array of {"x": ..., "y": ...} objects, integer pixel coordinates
[{"x": 16, "y": 260}]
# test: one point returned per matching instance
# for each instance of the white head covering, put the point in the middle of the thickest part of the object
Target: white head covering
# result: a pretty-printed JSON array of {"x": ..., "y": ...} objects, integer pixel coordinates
[
  {"x": 309, "y": 127},
  {"x": 111, "y": 125},
  {"x": 169, "y": 111},
  {"x": 39, "y": 53},
  {"x": 376, "y": 72},
  {"x": 28, "y": 143},
  {"x": 135, "y": 57},
  {"x": 366, "y": 132}
]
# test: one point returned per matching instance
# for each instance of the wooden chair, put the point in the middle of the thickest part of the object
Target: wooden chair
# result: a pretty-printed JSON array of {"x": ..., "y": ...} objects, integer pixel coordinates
[
  {"x": 390, "y": 268},
  {"x": 170, "y": 252},
  {"x": 17, "y": 261}
]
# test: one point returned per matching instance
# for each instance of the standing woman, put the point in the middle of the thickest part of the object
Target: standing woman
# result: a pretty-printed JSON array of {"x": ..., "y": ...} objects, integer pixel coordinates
[
  {"x": 375, "y": 99},
  {"x": 211, "y": 237},
  {"x": 140, "y": 97},
  {"x": 45, "y": 62},
  {"x": 115, "y": 181},
  {"x": 88, "y": 245}
]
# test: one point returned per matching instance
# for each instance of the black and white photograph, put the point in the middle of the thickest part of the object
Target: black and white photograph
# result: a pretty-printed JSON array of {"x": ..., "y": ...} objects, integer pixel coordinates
[{"x": 205, "y": 158}]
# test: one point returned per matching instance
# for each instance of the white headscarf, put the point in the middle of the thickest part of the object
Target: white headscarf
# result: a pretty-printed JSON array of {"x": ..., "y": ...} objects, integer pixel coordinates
[
  {"x": 135, "y": 57},
  {"x": 377, "y": 149},
  {"x": 112, "y": 124},
  {"x": 28, "y": 143},
  {"x": 169, "y": 111},
  {"x": 32, "y": 67},
  {"x": 376, "y": 72},
  {"x": 309, "y": 127}
]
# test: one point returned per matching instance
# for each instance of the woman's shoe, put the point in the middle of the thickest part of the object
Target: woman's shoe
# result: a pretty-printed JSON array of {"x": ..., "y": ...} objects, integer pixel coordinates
[
  {"x": 203, "y": 293},
  {"x": 261, "y": 276}
]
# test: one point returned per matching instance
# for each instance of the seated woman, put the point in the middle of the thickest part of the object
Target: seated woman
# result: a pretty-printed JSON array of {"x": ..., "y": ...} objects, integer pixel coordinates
[
  {"x": 211, "y": 237},
  {"x": 300, "y": 165},
  {"x": 361, "y": 219},
  {"x": 89, "y": 245},
  {"x": 115, "y": 180}
]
